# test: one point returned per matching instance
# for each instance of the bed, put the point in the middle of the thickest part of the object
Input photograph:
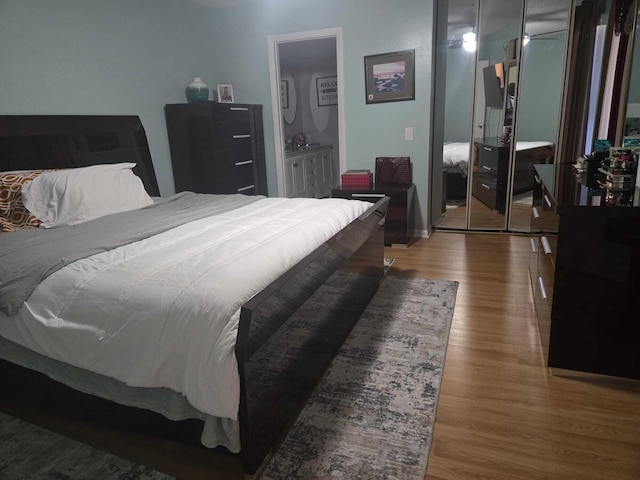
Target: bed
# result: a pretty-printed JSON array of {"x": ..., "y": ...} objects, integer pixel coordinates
[
  {"x": 455, "y": 160},
  {"x": 143, "y": 326}
]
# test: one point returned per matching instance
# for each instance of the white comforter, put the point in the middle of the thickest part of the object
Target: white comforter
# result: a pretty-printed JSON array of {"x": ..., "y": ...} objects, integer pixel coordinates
[{"x": 163, "y": 312}]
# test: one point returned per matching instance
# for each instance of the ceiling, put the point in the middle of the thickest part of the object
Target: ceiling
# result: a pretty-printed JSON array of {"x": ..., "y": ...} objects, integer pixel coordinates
[
  {"x": 218, "y": 3},
  {"x": 543, "y": 16}
]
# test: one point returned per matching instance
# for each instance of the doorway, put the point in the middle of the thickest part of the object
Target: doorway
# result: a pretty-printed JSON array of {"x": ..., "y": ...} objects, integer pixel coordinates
[{"x": 308, "y": 115}]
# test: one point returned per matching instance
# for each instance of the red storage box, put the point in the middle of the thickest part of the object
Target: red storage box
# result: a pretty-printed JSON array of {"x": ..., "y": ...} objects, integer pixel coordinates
[{"x": 357, "y": 179}]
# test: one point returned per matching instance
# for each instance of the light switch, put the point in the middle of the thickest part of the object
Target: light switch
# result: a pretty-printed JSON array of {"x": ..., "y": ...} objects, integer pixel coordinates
[{"x": 408, "y": 133}]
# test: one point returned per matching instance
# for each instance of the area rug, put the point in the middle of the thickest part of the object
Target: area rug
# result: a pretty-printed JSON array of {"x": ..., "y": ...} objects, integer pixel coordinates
[
  {"x": 372, "y": 414},
  {"x": 30, "y": 452}
]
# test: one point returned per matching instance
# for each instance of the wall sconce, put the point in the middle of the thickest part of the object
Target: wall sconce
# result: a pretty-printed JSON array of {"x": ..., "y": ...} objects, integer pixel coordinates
[{"x": 469, "y": 41}]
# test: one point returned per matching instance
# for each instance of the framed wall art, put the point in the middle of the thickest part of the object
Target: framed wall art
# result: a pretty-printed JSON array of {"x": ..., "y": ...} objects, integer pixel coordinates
[
  {"x": 225, "y": 93},
  {"x": 327, "y": 90},
  {"x": 390, "y": 77},
  {"x": 284, "y": 93}
]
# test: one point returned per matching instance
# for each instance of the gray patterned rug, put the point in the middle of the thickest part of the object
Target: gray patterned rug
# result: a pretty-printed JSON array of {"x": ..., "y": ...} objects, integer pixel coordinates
[
  {"x": 28, "y": 452},
  {"x": 372, "y": 415}
]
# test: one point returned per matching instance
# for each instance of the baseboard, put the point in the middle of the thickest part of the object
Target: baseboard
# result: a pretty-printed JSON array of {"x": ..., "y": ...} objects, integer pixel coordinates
[{"x": 422, "y": 233}]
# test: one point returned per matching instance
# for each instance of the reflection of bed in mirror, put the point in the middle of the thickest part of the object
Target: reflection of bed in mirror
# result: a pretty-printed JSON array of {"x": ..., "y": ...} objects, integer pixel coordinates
[{"x": 456, "y": 164}]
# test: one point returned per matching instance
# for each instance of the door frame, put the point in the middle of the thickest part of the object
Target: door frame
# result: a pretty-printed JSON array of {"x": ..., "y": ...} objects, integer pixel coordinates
[{"x": 273, "y": 41}]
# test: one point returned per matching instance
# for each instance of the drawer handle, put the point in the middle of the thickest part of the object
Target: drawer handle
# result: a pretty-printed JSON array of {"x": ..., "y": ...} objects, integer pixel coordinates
[
  {"x": 487, "y": 168},
  {"x": 247, "y": 162},
  {"x": 246, "y": 188},
  {"x": 537, "y": 179},
  {"x": 242, "y": 136},
  {"x": 545, "y": 245},
  {"x": 535, "y": 212},
  {"x": 242, "y": 109},
  {"x": 368, "y": 195},
  {"x": 486, "y": 186},
  {"x": 543, "y": 290},
  {"x": 488, "y": 149},
  {"x": 547, "y": 201},
  {"x": 533, "y": 245}
]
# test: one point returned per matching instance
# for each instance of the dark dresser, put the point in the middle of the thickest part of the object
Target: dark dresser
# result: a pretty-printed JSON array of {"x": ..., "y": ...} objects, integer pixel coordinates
[
  {"x": 399, "y": 222},
  {"x": 217, "y": 147},
  {"x": 585, "y": 275},
  {"x": 489, "y": 184}
]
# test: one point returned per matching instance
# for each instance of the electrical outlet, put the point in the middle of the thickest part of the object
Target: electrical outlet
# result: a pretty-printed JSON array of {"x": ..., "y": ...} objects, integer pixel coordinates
[{"x": 408, "y": 134}]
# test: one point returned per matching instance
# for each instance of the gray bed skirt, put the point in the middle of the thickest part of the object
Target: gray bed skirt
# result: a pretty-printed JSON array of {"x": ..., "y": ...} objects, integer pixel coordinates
[{"x": 172, "y": 405}]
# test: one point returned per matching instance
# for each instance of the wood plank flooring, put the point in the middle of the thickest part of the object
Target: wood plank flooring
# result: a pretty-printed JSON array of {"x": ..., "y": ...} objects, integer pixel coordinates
[{"x": 501, "y": 414}]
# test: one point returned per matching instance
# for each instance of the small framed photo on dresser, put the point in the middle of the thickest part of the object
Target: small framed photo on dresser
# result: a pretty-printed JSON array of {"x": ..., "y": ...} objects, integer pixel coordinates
[{"x": 225, "y": 93}]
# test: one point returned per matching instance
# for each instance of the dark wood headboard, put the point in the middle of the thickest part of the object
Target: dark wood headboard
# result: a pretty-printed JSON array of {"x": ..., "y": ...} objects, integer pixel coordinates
[{"x": 69, "y": 141}]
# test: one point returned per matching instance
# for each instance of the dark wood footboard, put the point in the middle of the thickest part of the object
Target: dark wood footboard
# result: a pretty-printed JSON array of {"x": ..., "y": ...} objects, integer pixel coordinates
[{"x": 290, "y": 332}]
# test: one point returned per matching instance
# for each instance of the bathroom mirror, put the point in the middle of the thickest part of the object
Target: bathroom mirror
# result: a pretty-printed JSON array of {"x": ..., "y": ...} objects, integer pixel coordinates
[{"x": 288, "y": 98}]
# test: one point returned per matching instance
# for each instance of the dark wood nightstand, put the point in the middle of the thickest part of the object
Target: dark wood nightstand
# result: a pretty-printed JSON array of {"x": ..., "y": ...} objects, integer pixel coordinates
[{"x": 399, "y": 223}]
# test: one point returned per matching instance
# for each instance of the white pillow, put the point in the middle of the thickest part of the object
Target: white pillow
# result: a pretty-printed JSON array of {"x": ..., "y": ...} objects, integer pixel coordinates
[{"x": 69, "y": 197}]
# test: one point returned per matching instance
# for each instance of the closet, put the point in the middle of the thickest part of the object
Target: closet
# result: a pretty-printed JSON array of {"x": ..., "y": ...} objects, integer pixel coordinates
[{"x": 505, "y": 65}]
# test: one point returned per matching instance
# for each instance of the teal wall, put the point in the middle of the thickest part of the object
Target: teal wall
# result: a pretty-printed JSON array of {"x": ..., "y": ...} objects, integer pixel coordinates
[
  {"x": 127, "y": 57},
  {"x": 134, "y": 56}
]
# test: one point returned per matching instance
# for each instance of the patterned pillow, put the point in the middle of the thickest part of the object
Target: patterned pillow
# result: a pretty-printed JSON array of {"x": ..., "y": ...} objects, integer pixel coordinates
[{"x": 13, "y": 214}]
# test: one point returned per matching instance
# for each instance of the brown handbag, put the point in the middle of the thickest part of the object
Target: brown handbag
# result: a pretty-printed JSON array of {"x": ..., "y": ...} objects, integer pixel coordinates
[{"x": 393, "y": 171}]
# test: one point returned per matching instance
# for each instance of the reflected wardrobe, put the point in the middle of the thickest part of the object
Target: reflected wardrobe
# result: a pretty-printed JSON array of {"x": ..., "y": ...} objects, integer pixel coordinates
[{"x": 505, "y": 66}]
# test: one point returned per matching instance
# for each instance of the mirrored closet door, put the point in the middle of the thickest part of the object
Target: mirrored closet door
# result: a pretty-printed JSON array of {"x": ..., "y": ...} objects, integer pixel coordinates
[
  {"x": 502, "y": 104},
  {"x": 542, "y": 71}
]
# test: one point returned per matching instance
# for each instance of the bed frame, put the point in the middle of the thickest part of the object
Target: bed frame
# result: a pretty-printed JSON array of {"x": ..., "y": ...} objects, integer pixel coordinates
[{"x": 283, "y": 345}]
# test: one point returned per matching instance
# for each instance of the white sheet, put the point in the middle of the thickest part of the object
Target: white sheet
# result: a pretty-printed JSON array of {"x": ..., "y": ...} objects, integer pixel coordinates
[
  {"x": 457, "y": 153},
  {"x": 163, "y": 312}
]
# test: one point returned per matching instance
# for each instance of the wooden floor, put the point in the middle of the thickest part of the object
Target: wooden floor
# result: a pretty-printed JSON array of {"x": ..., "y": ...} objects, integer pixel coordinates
[
  {"x": 501, "y": 414},
  {"x": 485, "y": 218}
]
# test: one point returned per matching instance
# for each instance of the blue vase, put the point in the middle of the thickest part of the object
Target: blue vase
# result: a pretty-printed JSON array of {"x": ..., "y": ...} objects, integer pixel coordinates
[{"x": 197, "y": 91}]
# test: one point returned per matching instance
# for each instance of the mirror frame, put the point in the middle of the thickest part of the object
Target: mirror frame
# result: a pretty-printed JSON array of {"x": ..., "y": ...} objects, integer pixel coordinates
[{"x": 574, "y": 122}]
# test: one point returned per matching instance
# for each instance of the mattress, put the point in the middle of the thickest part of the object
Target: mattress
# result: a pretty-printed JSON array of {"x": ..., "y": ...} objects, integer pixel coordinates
[{"x": 163, "y": 312}]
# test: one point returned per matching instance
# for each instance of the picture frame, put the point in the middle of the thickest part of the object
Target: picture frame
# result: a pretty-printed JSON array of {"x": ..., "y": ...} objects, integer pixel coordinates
[
  {"x": 327, "y": 91},
  {"x": 390, "y": 77},
  {"x": 225, "y": 93},
  {"x": 284, "y": 93}
]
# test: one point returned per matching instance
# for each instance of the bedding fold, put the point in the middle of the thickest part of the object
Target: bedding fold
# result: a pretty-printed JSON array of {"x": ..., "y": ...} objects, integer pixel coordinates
[{"x": 28, "y": 256}]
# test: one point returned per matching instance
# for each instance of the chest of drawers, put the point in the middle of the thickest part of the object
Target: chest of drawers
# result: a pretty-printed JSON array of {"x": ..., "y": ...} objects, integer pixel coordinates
[
  {"x": 489, "y": 184},
  {"x": 217, "y": 148}
]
